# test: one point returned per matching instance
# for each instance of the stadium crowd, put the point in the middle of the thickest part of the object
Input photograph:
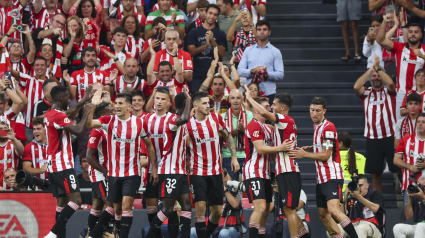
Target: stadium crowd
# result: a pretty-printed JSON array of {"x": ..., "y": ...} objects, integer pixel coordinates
[{"x": 179, "y": 98}]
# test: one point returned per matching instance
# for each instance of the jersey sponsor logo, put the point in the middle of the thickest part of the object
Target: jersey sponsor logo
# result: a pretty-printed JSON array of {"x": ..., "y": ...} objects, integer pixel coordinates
[
  {"x": 157, "y": 135},
  {"x": 377, "y": 102},
  {"x": 92, "y": 140},
  {"x": 82, "y": 86},
  {"x": 410, "y": 61},
  {"x": 199, "y": 141},
  {"x": 6, "y": 161},
  {"x": 17, "y": 220},
  {"x": 66, "y": 120},
  {"x": 256, "y": 134},
  {"x": 42, "y": 161},
  {"x": 122, "y": 140}
]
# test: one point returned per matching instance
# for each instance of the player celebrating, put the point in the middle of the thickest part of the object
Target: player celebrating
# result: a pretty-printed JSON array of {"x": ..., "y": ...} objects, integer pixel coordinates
[
  {"x": 204, "y": 130},
  {"x": 173, "y": 181},
  {"x": 62, "y": 176},
  {"x": 123, "y": 132},
  {"x": 287, "y": 170},
  {"x": 330, "y": 176}
]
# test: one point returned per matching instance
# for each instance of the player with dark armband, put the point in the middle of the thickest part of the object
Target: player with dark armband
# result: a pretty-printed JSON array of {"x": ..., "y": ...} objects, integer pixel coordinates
[
  {"x": 124, "y": 132},
  {"x": 329, "y": 173},
  {"x": 97, "y": 157},
  {"x": 287, "y": 170},
  {"x": 206, "y": 179},
  {"x": 62, "y": 176},
  {"x": 173, "y": 181}
]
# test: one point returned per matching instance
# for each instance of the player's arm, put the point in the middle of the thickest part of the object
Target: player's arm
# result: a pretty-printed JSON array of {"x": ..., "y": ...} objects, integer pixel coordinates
[
  {"x": 263, "y": 149},
  {"x": 27, "y": 166},
  {"x": 94, "y": 162},
  {"x": 320, "y": 156},
  {"x": 152, "y": 157},
  {"x": 73, "y": 111},
  {"x": 380, "y": 37},
  {"x": 232, "y": 148},
  {"x": 260, "y": 109},
  {"x": 184, "y": 117},
  {"x": 96, "y": 100},
  {"x": 79, "y": 128}
]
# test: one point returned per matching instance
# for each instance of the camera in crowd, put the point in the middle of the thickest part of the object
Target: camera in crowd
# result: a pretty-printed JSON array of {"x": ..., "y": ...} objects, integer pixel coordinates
[
  {"x": 236, "y": 185},
  {"x": 352, "y": 186},
  {"x": 26, "y": 179},
  {"x": 411, "y": 189}
]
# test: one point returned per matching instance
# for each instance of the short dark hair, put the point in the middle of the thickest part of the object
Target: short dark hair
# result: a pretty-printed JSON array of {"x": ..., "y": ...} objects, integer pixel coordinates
[
  {"x": 100, "y": 108},
  {"x": 163, "y": 90},
  {"x": 285, "y": 98},
  {"x": 128, "y": 98},
  {"x": 45, "y": 83},
  {"x": 258, "y": 100},
  {"x": 377, "y": 18},
  {"x": 262, "y": 23},
  {"x": 362, "y": 176},
  {"x": 213, "y": 6},
  {"x": 198, "y": 95},
  {"x": 180, "y": 100},
  {"x": 219, "y": 77},
  {"x": 413, "y": 24},
  {"x": 88, "y": 49},
  {"x": 413, "y": 97},
  {"x": 319, "y": 101},
  {"x": 159, "y": 20},
  {"x": 225, "y": 2},
  {"x": 137, "y": 92},
  {"x": 422, "y": 114},
  {"x": 203, "y": 3},
  {"x": 419, "y": 71},
  {"x": 40, "y": 58},
  {"x": 121, "y": 30},
  {"x": 37, "y": 121},
  {"x": 57, "y": 92},
  {"x": 165, "y": 63},
  {"x": 82, "y": 156}
]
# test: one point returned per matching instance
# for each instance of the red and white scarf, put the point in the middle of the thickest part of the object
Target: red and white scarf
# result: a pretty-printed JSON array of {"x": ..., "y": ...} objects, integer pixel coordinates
[
  {"x": 198, "y": 22},
  {"x": 230, "y": 127},
  {"x": 242, "y": 41},
  {"x": 407, "y": 126}
]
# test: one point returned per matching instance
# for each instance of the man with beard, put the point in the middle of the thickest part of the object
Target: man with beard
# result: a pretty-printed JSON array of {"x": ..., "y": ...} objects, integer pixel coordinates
[
  {"x": 62, "y": 175},
  {"x": 34, "y": 159},
  {"x": 407, "y": 59},
  {"x": 379, "y": 103},
  {"x": 82, "y": 78}
]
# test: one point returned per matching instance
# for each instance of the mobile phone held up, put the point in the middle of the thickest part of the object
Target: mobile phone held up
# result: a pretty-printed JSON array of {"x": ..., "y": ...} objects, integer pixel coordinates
[
  {"x": 371, "y": 30},
  {"x": 158, "y": 36},
  {"x": 3, "y": 133}
]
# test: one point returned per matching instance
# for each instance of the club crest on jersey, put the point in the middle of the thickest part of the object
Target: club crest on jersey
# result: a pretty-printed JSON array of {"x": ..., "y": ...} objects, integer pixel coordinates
[
  {"x": 98, "y": 77},
  {"x": 256, "y": 134},
  {"x": 9, "y": 152},
  {"x": 169, "y": 190},
  {"x": 256, "y": 192},
  {"x": 74, "y": 186}
]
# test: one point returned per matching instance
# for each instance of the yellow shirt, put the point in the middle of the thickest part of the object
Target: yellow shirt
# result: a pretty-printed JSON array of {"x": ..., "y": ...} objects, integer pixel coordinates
[{"x": 360, "y": 164}]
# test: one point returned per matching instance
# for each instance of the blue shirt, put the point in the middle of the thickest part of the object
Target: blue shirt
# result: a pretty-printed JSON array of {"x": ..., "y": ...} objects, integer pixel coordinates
[{"x": 269, "y": 56}]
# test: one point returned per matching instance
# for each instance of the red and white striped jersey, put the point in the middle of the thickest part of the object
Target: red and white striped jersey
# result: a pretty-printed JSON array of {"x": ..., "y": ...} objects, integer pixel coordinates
[
  {"x": 42, "y": 18},
  {"x": 120, "y": 84},
  {"x": 35, "y": 153},
  {"x": 140, "y": 17},
  {"x": 405, "y": 126},
  {"x": 107, "y": 4},
  {"x": 257, "y": 165},
  {"x": 169, "y": 141},
  {"x": 146, "y": 45},
  {"x": 412, "y": 148},
  {"x": 107, "y": 64},
  {"x": 99, "y": 142},
  {"x": 255, "y": 16},
  {"x": 33, "y": 90},
  {"x": 123, "y": 144},
  {"x": 11, "y": 16},
  {"x": 326, "y": 138},
  {"x": 205, "y": 156},
  {"x": 134, "y": 47},
  {"x": 285, "y": 129},
  {"x": 59, "y": 144},
  {"x": 56, "y": 70},
  {"x": 184, "y": 57},
  {"x": 379, "y": 110},
  {"x": 8, "y": 159},
  {"x": 10, "y": 117},
  {"x": 403, "y": 104},
  {"x": 22, "y": 66},
  {"x": 407, "y": 65},
  {"x": 82, "y": 79},
  {"x": 173, "y": 82}
]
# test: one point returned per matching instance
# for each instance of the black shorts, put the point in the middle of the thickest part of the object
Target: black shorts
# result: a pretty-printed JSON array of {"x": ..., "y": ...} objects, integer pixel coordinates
[
  {"x": 119, "y": 187},
  {"x": 207, "y": 188},
  {"x": 63, "y": 182},
  {"x": 258, "y": 188},
  {"x": 99, "y": 189},
  {"x": 377, "y": 151},
  {"x": 332, "y": 189},
  {"x": 173, "y": 185},
  {"x": 289, "y": 185},
  {"x": 151, "y": 190}
]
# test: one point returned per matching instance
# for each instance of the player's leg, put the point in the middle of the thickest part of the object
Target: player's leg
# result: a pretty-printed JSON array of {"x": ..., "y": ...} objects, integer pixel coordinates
[
  {"x": 181, "y": 190},
  {"x": 186, "y": 213},
  {"x": 118, "y": 217},
  {"x": 151, "y": 195},
  {"x": 96, "y": 210},
  {"x": 215, "y": 196},
  {"x": 260, "y": 207},
  {"x": 130, "y": 188},
  {"x": 107, "y": 214},
  {"x": 262, "y": 230},
  {"x": 335, "y": 211},
  {"x": 60, "y": 205},
  {"x": 327, "y": 221},
  {"x": 199, "y": 188}
]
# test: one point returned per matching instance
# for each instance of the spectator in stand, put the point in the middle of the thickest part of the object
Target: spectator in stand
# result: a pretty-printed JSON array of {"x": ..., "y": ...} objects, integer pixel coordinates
[
  {"x": 254, "y": 91},
  {"x": 225, "y": 21},
  {"x": 175, "y": 20},
  {"x": 81, "y": 79},
  {"x": 201, "y": 42},
  {"x": 256, "y": 7},
  {"x": 415, "y": 209},
  {"x": 9, "y": 97},
  {"x": 138, "y": 103},
  {"x": 171, "y": 37},
  {"x": 76, "y": 42},
  {"x": 127, "y": 8},
  {"x": 44, "y": 104},
  {"x": 53, "y": 70},
  {"x": 34, "y": 159},
  {"x": 348, "y": 10},
  {"x": 159, "y": 24},
  {"x": 138, "y": 5},
  {"x": 232, "y": 73},
  {"x": 85, "y": 182},
  {"x": 236, "y": 120},
  {"x": 91, "y": 10},
  {"x": 368, "y": 212},
  {"x": 262, "y": 63},
  {"x": 113, "y": 57},
  {"x": 407, "y": 125},
  {"x": 380, "y": 6},
  {"x": 201, "y": 10},
  {"x": 420, "y": 89},
  {"x": 409, "y": 152},
  {"x": 11, "y": 15},
  {"x": 379, "y": 108},
  {"x": 405, "y": 77},
  {"x": 52, "y": 34},
  {"x": 349, "y": 158},
  {"x": 10, "y": 150},
  {"x": 16, "y": 51},
  {"x": 17, "y": 122},
  {"x": 244, "y": 37},
  {"x": 370, "y": 46},
  {"x": 135, "y": 39},
  {"x": 9, "y": 182}
]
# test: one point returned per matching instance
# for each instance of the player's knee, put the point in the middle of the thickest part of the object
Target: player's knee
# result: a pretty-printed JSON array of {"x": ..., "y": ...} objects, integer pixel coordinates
[
  {"x": 322, "y": 216},
  {"x": 77, "y": 201},
  {"x": 261, "y": 207},
  {"x": 168, "y": 210},
  {"x": 334, "y": 211},
  {"x": 200, "y": 207},
  {"x": 186, "y": 206}
]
